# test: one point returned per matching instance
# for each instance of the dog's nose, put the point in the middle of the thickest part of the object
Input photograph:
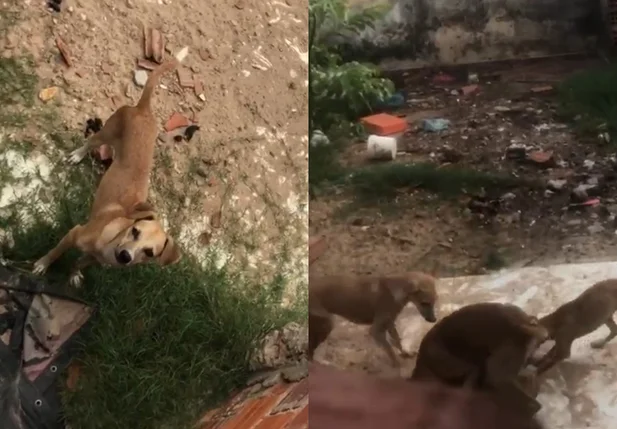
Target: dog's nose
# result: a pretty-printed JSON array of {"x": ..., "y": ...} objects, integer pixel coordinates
[{"x": 123, "y": 257}]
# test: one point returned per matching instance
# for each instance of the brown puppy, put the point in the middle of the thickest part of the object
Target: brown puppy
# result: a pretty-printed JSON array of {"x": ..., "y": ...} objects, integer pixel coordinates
[
  {"x": 122, "y": 228},
  {"x": 375, "y": 301},
  {"x": 483, "y": 346},
  {"x": 577, "y": 318}
]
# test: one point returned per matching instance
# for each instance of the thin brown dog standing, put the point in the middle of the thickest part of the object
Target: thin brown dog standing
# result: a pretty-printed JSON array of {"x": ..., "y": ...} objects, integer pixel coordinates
[
  {"x": 581, "y": 316},
  {"x": 123, "y": 228},
  {"x": 375, "y": 301}
]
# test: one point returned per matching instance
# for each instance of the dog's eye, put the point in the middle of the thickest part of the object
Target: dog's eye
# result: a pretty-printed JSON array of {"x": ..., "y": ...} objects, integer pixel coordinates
[
  {"x": 135, "y": 233},
  {"x": 149, "y": 253}
]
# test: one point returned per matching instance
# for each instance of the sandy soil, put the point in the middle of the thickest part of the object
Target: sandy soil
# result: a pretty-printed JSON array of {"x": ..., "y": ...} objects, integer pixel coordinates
[
  {"x": 247, "y": 165},
  {"x": 423, "y": 232}
]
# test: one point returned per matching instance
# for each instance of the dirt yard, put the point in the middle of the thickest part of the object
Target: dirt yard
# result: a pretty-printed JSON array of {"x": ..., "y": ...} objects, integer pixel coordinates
[
  {"x": 527, "y": 226},
  {"x": 239, "y": 185}
]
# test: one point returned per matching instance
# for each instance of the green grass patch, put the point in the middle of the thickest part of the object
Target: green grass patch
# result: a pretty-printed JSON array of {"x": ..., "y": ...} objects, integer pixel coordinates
[
  {"x": 385, "y": 181},
  {"x": 166, "y": 343},
  {"x": 589, "y": 98}
]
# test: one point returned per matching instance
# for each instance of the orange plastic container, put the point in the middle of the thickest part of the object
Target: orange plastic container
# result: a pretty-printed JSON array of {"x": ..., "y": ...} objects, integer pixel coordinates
[{"x": 384, "y": 124}]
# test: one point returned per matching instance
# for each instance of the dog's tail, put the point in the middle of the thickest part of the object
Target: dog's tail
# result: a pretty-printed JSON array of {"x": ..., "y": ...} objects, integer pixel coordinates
[{"x": 155, "y": 76}]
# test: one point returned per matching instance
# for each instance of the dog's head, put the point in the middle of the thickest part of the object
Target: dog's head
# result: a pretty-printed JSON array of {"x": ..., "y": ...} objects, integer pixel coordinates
[
  {"x": 143, "y": 239},
  {"x": 423, "y": 294}
]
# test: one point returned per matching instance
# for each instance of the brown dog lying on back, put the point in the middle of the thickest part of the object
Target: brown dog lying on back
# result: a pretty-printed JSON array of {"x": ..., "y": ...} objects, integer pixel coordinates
[
  {"x": 482, "y": 346},
  {"x": 375, "y": 301},
  {"x": 122, "y": 229},
  {"x": 581, "y": 316}
]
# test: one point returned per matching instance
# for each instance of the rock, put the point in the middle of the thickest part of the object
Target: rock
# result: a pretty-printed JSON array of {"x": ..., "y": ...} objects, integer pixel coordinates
[
  {"x": 48, "y": 93},
  {"x": 215, "y": 219},
  {"x": 508, "y": 196},
  {"x": 140, "y": 77},
  {"x": 595, "y": 228},
  {"x": 581, "y": 192},
  {"x": 282, "y": 347},
  {"x": 176, "y": 121},
  {"x": 295, "y": 373},
  {"x": 556, "y": 184},
  {"x": 574, "y": 222},
  {"x": 502, "y": 109},
  {"x": 588, "y": 164}
]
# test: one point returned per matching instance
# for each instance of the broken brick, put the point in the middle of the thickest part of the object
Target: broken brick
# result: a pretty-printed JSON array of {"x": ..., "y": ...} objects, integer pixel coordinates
[
  {"x": 146, "y": 64},
  {"x": 539, "y": 89},
  {"x": 215, "y": 219},
  {"x": 185, "y": 79},
  {"x": 541, "y": 157},
  {"x": 64, "y": 51},
  {"x": 198, "y": 86},
  {"x": 176, "y": 121},
  {"x": 469, "y": 89},
  {"x": 158, "y": 46}
]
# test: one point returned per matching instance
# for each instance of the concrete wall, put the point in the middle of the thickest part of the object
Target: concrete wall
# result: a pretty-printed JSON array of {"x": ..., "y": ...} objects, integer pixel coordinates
[{"x": 461, "y": 31}]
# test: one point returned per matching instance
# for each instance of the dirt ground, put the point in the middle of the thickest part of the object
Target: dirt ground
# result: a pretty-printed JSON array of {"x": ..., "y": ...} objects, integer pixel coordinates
[
  {"x": 448, "y": 237},
  {"x": 240, "y": 183}
]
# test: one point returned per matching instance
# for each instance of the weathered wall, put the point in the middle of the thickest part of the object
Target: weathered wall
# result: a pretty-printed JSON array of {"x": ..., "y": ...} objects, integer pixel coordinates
[{"x": 462, "y": 31}]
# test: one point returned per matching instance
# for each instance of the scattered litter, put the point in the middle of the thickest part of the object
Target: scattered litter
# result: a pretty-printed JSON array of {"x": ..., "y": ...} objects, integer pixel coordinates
[
  {"x": 473, "y": 78},
  {"x": 508, "y": 196},
  {"x": 140, "y": 77},
  {"x": 542, "y": 158},
  {"x": 64, "y": 51},
  {"x": 47, "y": 94},
  {"x": 542, "y": 127},
  {"x": 588, "y": 164},
  {"x": 539, "y": 89},
  {"x": 202, "y": 97},
  {"x": 198, "y": 87},
  {"x": 605, "y": 137},
  {"x": 319, "y": 138},
  {"x": 502, "y": 109},
  {"x": 176, "y": 121},
  {"x": 469, "y": 89},
  {"x": 396, "y": 100},
  {"x": 381, "y": 147},
  {"x": 556, "y": 184},
  {"x": 595, "y": 228},
  {"x": 581, "y": 192},
  {"x": 443, "y": 78},
  {"x": 435, "y": 125}
]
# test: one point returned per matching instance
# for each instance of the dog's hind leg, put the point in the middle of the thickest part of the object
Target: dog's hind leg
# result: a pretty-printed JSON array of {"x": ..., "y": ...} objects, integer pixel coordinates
[
  {"x": 109, "y": 134},
  {"x": 319, "y": 329},
  {"x": 612, "y": 326},
  {"x": 378, "y": 332}
]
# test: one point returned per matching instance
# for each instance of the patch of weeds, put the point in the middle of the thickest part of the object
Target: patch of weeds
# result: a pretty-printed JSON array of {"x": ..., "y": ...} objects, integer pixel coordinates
[
  {"x": 385, "y": 181},
  {"x": 495, "y": 260},
  {"x": 166, "y": 343},
  {"x": 589, "y": 99}
]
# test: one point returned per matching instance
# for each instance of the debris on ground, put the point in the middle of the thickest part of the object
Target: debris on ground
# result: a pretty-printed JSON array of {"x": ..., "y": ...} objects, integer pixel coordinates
[
  {"x": 319, "y": 138},
  {"x": 185, "y": 79},
  {"x": 64, "y": 51},
  {"x": 469, "y": 89},
  {"x": 93, "y": 126},
  {"x": 556, "y": 185},
  {"x": 176, "y": 121},
  {"x": 154, "y": 45},
  {"x": 516, "y": 152},
  {"x": 146, "y": 64},
  {"x": 435, "y": 125},
  {"x": 473, "y": 78},
  {"x": 55, "y": 5},
  {"x": 383, "y": 124},
  {"x": 140, "y": 77},
  {"x": 443, "y": 78},
  {"x": 541, "y": 158},
  {"x": 543, "y": 88},
  {"x": 47, "y": 94}
]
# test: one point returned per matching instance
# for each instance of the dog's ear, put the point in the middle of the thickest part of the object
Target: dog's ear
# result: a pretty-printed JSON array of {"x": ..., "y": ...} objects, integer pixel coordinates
[
  {"x": 171, "y": 253},
  {"x": 142, "y": 211}
]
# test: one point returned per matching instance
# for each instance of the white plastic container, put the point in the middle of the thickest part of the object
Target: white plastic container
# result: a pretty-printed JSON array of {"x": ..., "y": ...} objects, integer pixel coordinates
[{"x": 381, "y": 147}]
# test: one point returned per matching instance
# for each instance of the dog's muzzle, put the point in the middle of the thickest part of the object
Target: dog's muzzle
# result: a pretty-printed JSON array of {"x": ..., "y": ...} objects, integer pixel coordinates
[
  {"x": 428, "y": 314},
  {"x": 123, "y": 257}
]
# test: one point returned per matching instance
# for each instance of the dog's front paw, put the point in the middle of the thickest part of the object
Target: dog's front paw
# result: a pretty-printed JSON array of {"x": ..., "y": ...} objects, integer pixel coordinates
[
  {"x": 40, "y": 266},
  {"x": 77, "y": 155},
  {"x": 77, "y": 279}
]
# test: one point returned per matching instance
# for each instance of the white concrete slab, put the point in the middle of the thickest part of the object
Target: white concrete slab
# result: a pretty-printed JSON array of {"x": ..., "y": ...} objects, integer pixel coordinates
[{"x": 581, "y": 393}]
